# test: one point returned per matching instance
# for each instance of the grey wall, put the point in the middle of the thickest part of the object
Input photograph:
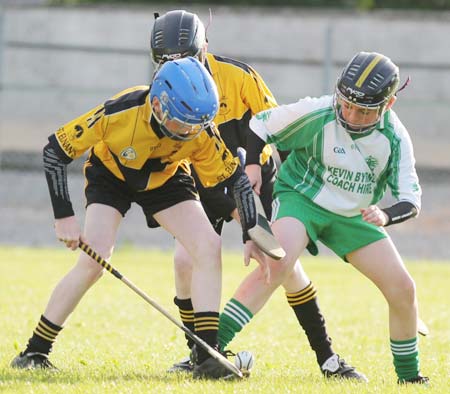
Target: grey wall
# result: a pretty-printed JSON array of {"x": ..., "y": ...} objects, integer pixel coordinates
[{"x": 57, "y": 63}]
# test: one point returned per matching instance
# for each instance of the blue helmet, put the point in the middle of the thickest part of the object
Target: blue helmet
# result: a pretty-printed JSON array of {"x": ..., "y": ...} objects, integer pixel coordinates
[{"x": 188, "y": 99}]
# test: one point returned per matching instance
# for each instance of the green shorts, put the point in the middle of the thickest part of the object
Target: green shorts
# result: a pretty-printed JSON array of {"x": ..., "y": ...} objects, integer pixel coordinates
[{"x": 339, "y": 233}]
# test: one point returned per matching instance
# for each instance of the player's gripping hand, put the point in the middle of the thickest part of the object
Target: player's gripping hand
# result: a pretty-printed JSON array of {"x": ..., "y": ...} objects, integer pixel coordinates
[
  {"x": 253, "y": 172},
  {"x": 251, "y": 251},
  {"x": 68, "y": 231},
  {"x": 374, "y": 215}
]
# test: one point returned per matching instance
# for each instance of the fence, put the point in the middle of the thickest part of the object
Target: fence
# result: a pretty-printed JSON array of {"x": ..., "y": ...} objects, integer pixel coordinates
[{"x": 56, "y": 63}]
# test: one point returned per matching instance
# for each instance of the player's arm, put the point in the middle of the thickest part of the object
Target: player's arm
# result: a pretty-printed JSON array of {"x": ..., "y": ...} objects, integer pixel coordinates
[
  {"x": 402, "y": 179},
  {"x": 214, "y": 165},
  {"x": 400, "y": 212},
  {"x": 255, "y": 93},
  {"x": 67, "y": 144},
  {"x": 397, "y": 213},
  {"x": 217, "y": 169},
  {"x": 257, "y": 97},
  {"x": 55, "y": 167}
]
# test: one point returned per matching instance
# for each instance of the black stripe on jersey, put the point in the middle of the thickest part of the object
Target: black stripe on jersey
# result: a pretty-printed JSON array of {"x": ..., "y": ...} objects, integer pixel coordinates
[
  {"x": 54, "y": 144},
  {"x": 127, "y": 101},
  {"x": 236, "y": 63},
  {"x": 137, "y": 179}
]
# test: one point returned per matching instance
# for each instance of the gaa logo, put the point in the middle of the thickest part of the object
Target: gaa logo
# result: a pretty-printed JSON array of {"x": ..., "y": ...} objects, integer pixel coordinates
[{"x": 339, "y": 149}]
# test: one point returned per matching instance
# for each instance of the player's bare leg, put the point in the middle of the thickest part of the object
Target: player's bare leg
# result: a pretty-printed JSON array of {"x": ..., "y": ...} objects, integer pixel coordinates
[
  {"x": 381, "y": 263},
  {"x": 292, "y": 236},
  {"x": 253, "y": 293},
  {"x": 100, "y": 230},
  {"x": 204, "y": 246},
  {"x": 183, "y": 276},
  {"x": 183, "y": 263}
]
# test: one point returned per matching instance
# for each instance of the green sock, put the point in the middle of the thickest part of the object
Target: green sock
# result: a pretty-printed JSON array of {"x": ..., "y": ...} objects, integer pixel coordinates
[
  {"x": 406, "y": 358},
  {"x": 232, "y": 320}
]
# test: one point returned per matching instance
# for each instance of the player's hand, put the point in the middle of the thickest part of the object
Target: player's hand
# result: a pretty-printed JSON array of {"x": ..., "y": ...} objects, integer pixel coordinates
[
  {"x": 374, "y": 215},
  {"x": 251, "y": 251},
  {"x": 253, "y": 172},
  {"x": 68, "y": 231}
]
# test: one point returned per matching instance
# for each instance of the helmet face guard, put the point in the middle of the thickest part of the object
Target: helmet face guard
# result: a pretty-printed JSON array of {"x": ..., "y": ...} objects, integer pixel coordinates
[
  {"x": 187, "y": 96},
  {"x": 364, "y": 90},
  {"x": 368, "y": 115},
  {"x": 172, "y": 124}
]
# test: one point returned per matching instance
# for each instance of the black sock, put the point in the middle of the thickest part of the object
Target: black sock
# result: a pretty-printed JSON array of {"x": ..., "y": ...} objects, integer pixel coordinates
[
  {"x": 44, "y": 335},
  {"x": 304, "y": 303},
  {"x": 206, "y": 327},
  {"x": 187, "y": 316}
]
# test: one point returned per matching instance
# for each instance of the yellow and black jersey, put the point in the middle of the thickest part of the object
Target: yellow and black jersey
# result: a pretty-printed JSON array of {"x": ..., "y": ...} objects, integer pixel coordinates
[
  {"x": 125, "y": 137},
  {"x": 242, "y": 93}
]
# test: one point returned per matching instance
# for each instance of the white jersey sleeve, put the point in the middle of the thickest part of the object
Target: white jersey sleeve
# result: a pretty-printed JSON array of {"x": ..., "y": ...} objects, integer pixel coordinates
[
  {"x": 272, "y": 125},
  {"x": 403, "y": 180}
]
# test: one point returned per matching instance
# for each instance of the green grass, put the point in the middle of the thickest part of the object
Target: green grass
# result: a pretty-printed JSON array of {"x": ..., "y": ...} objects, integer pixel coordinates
[{"x": 116, "y": 343}]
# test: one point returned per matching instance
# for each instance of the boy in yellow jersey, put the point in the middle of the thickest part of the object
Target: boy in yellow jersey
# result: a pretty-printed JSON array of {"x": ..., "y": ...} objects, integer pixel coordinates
[
  {"x": 139, "y": 143},
  {"x": 242, "y": 93}
]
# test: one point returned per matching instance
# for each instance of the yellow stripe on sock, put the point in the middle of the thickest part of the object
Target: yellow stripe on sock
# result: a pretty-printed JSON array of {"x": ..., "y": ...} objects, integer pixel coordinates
[
  {"x": 47, "y": 328},
  {"x": 197, "y": 324},
  {"x": 43, "y": 335},
  {"x": 303, "y": 301},
  {"x": 303, "y": 296},
  {"x": 207, "y": 318},
  {"x": 187, "y": 315},
  {"x": 206, "y": 328}
]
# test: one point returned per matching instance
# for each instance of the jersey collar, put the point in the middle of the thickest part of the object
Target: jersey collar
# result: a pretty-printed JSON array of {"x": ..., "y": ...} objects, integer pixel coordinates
[{"x": 147, "y": 107}]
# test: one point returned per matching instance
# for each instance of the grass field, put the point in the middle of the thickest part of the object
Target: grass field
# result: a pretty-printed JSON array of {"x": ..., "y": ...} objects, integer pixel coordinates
[{"x": 116, "y": 343}]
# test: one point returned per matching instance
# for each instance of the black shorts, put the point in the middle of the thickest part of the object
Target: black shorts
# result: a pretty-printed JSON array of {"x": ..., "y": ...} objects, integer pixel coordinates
[
  {"x": 103, "y": 187},
  {"x": 216, "y": 213}
]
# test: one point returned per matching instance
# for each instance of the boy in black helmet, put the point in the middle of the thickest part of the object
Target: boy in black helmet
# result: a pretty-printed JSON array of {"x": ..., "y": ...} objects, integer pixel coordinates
[
  {"x": 242, "y": 93},
  {"x": 347, "y": 148}
]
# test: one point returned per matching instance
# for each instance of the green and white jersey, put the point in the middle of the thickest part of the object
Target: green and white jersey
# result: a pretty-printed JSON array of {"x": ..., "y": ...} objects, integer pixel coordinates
[{"x": 339, "y": 171}]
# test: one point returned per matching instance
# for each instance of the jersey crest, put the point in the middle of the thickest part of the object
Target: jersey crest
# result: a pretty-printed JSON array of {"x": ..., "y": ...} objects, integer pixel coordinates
[
  {"x": 128, "y": 153},
  {"x": 372, "y": 162}
]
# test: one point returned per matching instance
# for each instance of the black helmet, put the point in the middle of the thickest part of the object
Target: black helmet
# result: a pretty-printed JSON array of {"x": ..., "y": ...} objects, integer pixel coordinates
[
  {"x": 175, "y": 35},
  {"x": 369, "y": 81}
]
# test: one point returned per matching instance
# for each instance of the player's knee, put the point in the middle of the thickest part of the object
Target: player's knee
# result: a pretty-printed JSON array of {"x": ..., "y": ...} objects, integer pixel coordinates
[
  {"x": 404, "y": 293},
  {"x": 182, "y": 263},
  {"x": 297, "y": 277},
  {"x": 209, "y": 248},
  {"x": 281, "y": 270},
  {"x": 92, "y": 271}
]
